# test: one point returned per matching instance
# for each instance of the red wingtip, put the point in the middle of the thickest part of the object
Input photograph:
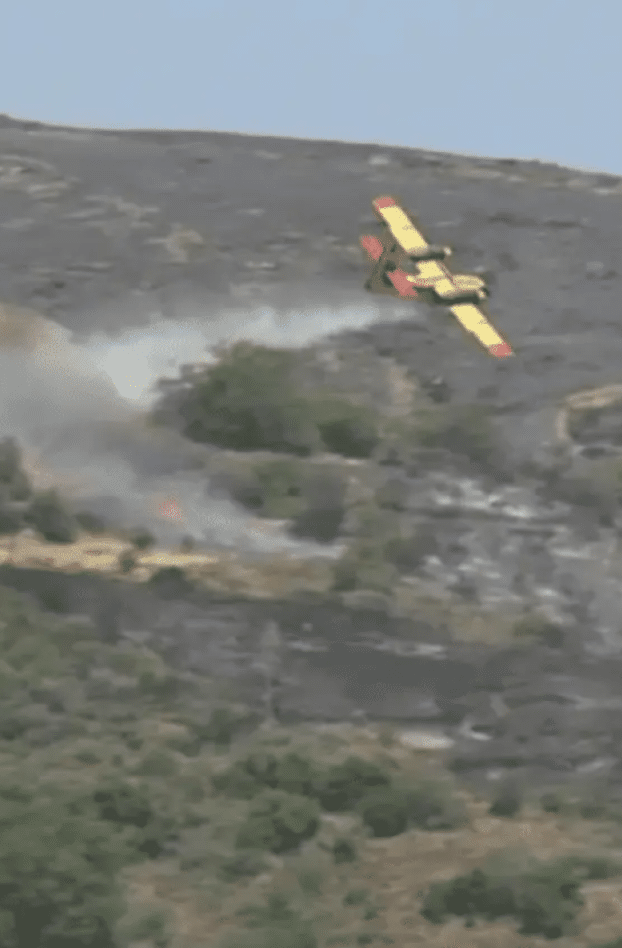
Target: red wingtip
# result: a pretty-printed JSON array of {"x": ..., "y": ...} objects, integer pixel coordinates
[
  {"x": 500, "y": 350},
  {"x": 384, "y": 202},
  {"x": 372, "y": 246}
]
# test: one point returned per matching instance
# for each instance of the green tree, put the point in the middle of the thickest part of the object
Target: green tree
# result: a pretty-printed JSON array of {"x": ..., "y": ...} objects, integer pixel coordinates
[
  {"x": 278, "y": 822},
  {"x": 250, "y": 401},
  {"x": 58, "y": 865}
]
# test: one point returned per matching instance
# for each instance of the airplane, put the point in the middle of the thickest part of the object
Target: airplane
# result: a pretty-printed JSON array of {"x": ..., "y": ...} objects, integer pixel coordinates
[{"x": 400, "y": 244}]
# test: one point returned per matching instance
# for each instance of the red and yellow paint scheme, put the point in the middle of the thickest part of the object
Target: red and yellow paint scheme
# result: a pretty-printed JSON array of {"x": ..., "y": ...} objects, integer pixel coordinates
[{"x": 401, "y": 245}]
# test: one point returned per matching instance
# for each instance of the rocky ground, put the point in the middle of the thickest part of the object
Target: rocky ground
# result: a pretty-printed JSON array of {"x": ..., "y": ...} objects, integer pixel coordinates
[{"x": 98, "y": 228}]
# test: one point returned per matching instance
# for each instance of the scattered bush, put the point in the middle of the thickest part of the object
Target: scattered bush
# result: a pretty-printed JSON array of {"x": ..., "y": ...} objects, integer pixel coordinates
[
  {"x": 364, "y": 566},
  {"x": 126, "y": 805},
  {"x": 508, "y": 800},
  {"x": 142, "y": 539},
  {"x": 273, "y": 925},
  {"x": 342, "y": 786},
  {"x": 58, "y": 865},
  {"x": 157, "y": 763},
  {"x": 462, "y": 429},
  {"x": 539, "y": 627},
  {"x": 431, "y": 806},
  {"x": 544, "y": 899},
  {"x": 48, "y": 515},
  {"x": 319, "y": 523},
  {"x": 594, "y": 867},
  {"x": 259, "y": 771},
  {"x": 251, "y": 400},
  {"x": 385, "y": 812},
  {"x": 356, "y": 897},
  {"x": 343, "y": 850},
  {"x": 222, "y": 726},
  {"x": 246, "y": 778},
  {"x": 408, "y": 553},
  {"x": 278, "y": 822},
  {"x": 151, "y": 926},
  {"x": 243, "y": 865},
  {"x": 324, "y": 512},
  {"x": 127, "y": 562},
  {"x": 552, "y": 802},
  {"x": 346, "y": 429}
]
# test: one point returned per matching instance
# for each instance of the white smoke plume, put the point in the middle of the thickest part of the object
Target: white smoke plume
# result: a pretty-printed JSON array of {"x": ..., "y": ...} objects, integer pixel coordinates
[{"x": 79, "y": 411}]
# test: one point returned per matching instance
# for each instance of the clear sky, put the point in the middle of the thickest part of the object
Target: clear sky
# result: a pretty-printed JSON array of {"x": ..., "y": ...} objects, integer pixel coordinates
[{"x": 528, "y": 79}]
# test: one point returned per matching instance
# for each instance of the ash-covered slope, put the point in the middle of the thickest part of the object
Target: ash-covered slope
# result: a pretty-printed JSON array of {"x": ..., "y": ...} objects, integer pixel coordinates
[{"x": 229, "y": 236}]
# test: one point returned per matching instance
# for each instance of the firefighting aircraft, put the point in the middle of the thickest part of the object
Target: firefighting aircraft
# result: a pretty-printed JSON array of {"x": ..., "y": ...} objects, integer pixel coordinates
[{"x": 401, "y": 244}]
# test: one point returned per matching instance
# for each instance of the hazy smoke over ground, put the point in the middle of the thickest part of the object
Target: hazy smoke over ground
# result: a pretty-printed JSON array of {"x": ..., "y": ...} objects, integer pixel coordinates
[{"x": 79, "y": 412}]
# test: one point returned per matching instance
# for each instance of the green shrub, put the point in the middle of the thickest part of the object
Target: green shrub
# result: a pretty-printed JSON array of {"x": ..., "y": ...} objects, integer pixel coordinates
[
  {"x": 508, "y": 800},
  {"x": 548, "y": 900},
  {"x": 300, "y": 936},
  {"x": 127, "y": 562},
  {"x": 389, "y": 811},
  {"x": 342, "y": 786},
  {"x": 249, "y": 401},
  {"x": 364, "y": 566},
  {"x": 48, "y": 515},
  {"x": 538, "y": 627},
  {"x": 222, "y": 726},
  {"x": 58, "y": 868},
  {"x": 278, "y": 822},
  {"x": 320, "y": 524},
  {"x": 408, "y": 553},
  {"x": 157, "y": 763},
  {"x": 544, "y": 899},
  {"x": 142, "y": 539},
  {"x": 346, "y": 429},
  {"x": 432, "y": 806},
  {"x": 356, "y": 897},
  {"x": 343, "y": 850},
  {"x": 469, "y": 895},
  {"x": 151, "y": 926},
  {"x": 384, "y": 812},
  {"x": 273, "y": 925},
  {"x": 552, "y": 802},
  {"x": 246, "y": 778},
  {"x": 324, "y": 511},
  {"x": 243, "y": 865},
  {"x": 126, "y": 805},
  {"x": 594, "y": 867},
  {"x": 462, "y": 429}
]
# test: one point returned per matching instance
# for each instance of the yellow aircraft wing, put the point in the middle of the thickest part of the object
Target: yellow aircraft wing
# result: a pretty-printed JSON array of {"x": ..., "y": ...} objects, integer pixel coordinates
[
  {"x": 400, "y": 225},
  {"x": 440, "y": 279}
]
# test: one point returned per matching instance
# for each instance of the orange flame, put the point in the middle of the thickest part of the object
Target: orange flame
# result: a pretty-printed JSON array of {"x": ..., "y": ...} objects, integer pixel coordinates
[{"x": 170, "y": 509}]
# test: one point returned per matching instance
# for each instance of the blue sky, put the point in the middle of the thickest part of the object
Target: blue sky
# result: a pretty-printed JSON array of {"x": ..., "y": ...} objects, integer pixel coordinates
[{"x": 528, "y": 79}]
